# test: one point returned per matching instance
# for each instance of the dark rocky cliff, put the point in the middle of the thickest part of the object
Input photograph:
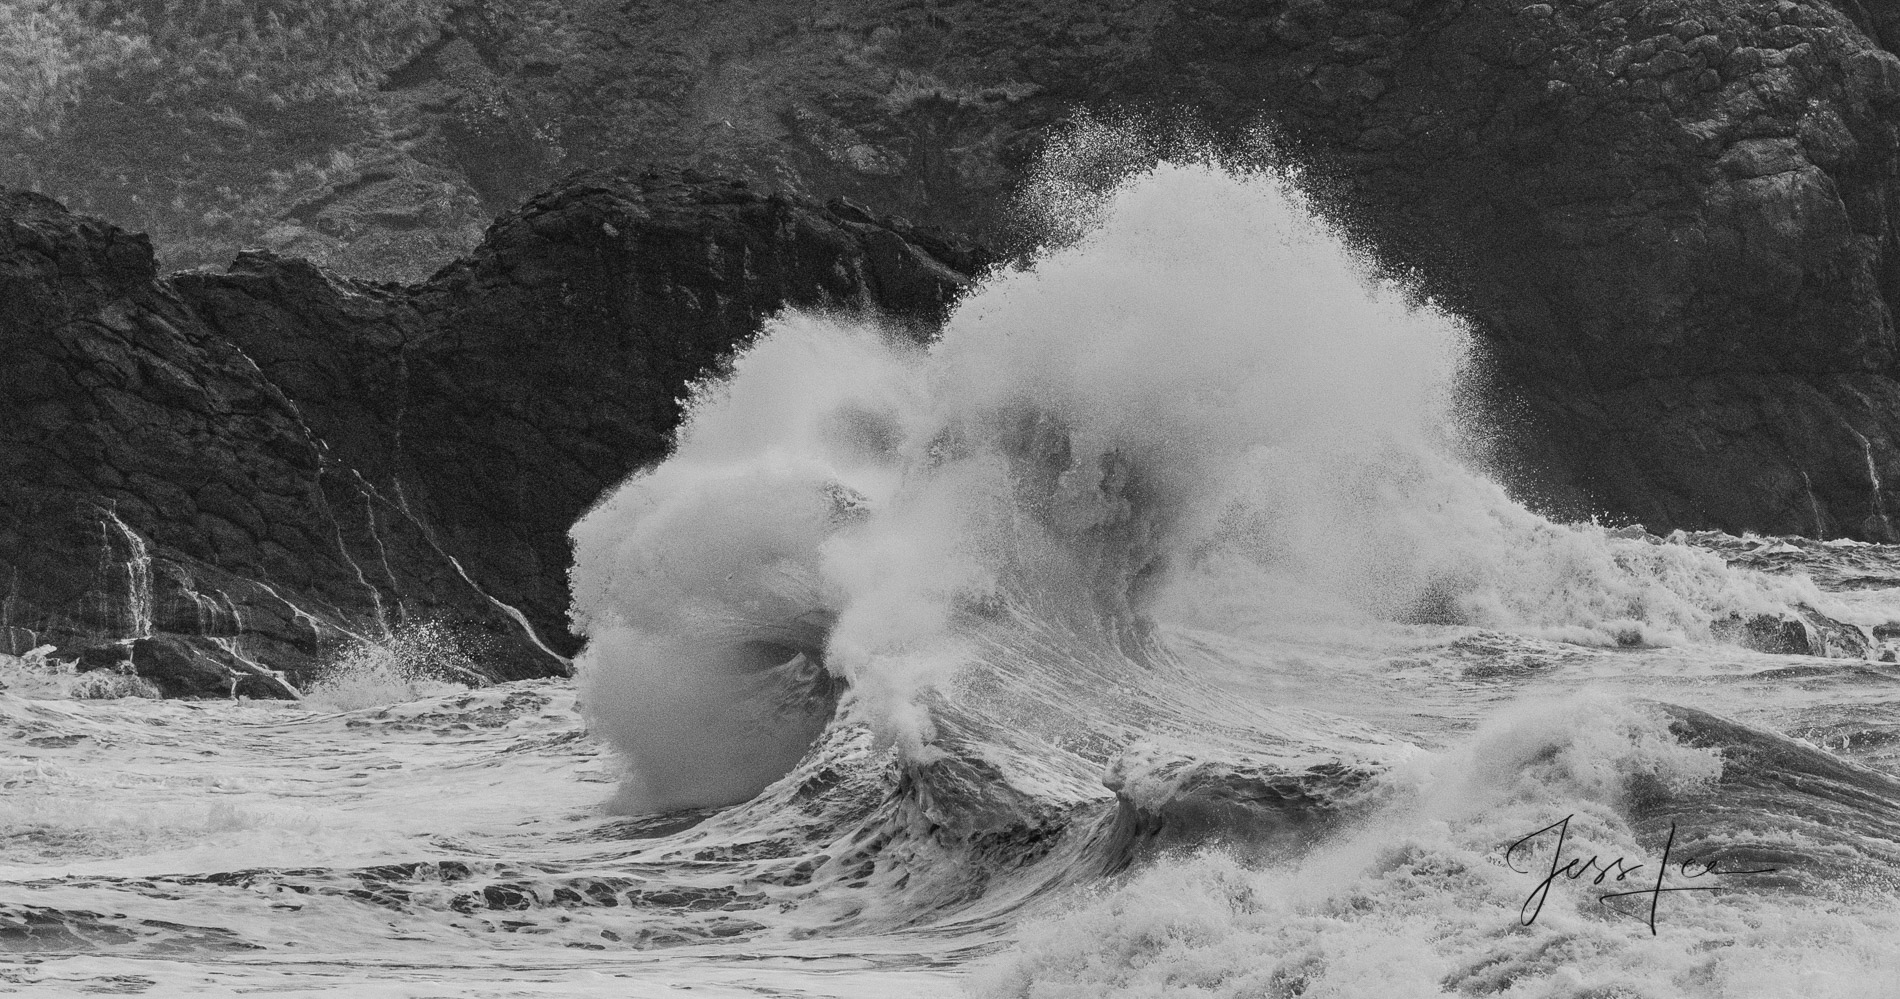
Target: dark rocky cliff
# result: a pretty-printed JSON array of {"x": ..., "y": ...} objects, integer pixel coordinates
[
  {"x": 1673, "y": 222},
  {"x": 260, "y": 465},
  {"x": 1672, "y": 219}
]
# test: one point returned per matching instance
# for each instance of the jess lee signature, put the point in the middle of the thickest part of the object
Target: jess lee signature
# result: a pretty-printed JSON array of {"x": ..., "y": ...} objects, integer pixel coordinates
[{"x": 1617, "y": 869}]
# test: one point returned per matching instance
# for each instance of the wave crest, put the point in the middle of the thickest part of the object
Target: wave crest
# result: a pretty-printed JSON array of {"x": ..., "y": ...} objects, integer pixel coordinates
[{"x": 1209, "y": 410}]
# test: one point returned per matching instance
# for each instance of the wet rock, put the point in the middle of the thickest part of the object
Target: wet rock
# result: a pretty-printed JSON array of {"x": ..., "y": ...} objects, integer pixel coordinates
[
  {"x": 115, "y": 656},
  {"x": 1765, "y": 633},
  {"x": 152, "y": 479},
  {"x": 263, "y": 465},
  {"x": 1836, "y": 639},
  {"x": 1807, "y": 633},
  {"x": 1672, "y": 228},
  {"x": 497, "y": 401},
  {"x": 180, "y": 670},
  {"x": 1672, "y": 223}
]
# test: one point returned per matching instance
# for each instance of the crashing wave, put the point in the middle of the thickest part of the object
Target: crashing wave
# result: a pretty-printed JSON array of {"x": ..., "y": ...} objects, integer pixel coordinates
[{"x": 1207, "y": 411}]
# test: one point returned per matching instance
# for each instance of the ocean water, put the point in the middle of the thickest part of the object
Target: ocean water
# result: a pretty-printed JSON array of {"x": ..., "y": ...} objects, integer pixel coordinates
[{"x": 1157, "y": 631}]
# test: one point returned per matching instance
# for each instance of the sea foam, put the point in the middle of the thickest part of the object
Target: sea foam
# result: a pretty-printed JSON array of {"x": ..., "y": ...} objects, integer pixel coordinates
[{"x": 1201, "y": 403}]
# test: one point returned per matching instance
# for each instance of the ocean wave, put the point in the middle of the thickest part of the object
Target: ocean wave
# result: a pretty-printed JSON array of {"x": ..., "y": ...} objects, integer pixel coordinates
[{"x": 1208, "y": 410}]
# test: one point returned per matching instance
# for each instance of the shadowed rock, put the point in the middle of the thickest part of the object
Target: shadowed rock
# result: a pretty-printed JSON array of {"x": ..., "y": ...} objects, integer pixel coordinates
[
  {"x": 1671, "y": 220},
  {"x": 274, "y": 461}
]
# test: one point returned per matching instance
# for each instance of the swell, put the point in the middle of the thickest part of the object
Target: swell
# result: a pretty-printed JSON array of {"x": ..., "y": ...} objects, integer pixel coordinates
[
  {"x": 1830, "y": 826},
  {"x": 1030, "y": 794}
]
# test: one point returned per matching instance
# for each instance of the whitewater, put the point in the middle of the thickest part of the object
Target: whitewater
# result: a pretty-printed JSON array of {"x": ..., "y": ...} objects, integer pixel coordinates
[{"x": 1156, "y": 629}]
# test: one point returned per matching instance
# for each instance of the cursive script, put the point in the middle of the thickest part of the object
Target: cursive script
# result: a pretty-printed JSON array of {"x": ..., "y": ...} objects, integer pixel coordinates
[{"x": 1615, "y": 869}]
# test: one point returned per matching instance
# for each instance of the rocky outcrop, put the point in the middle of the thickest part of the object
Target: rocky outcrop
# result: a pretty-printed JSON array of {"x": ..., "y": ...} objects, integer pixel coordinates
[
  {"x": 389, "y": 218},
  {"x": 1671, "y": 221},
  {"x": 260, "y": 465},
  {"x": 151, "y": 479},
  {"x": 501, "y": 398}
]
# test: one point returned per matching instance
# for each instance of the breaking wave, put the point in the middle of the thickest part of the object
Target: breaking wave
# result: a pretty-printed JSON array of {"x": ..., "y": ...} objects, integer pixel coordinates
[
  {"x": 1207, "y": 411},
  {"x": 1152, "y": 631}
]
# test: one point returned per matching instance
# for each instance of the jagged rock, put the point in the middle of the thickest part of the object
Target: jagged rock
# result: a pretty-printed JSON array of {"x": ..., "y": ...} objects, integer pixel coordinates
[
  {"x": 1765, "y": 633},
  {"x": 151, "y": 477},
  {"x": 179, "y": 669},
  {"x": 1807, "y": 632},
  {"x": 499, "y": 400},
  {"x": 268, "y": 463},
  {"x": 185, "y": 666},
  {"x": 1671, "y": 220},
  {"x": 1836, "y": 639},
  {"x": 116, "y": 656}
]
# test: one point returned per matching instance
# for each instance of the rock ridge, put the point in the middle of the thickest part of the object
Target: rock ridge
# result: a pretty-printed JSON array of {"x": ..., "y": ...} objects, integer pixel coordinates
[{"x": 217, "y": 471}]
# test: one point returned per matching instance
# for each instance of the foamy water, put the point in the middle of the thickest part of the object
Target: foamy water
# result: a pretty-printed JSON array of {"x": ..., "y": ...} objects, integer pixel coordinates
[{"x": 1151, "y": 632}]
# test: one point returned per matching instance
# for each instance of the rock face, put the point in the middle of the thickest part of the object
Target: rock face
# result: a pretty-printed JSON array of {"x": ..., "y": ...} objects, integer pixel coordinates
[
  {"x": 1672, "y": 220},
  {"x": 260, "y": 465},
  {"x": 151, "y": 480},
  {"x": 1673, "y": 223}
]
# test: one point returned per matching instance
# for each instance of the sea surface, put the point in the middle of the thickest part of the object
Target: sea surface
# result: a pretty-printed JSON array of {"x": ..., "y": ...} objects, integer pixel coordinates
[{"x": 1156, "y": 631}]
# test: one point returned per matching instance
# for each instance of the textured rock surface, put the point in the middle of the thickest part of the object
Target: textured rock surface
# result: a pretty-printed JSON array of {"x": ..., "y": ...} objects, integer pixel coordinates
[
  {"x": 1671, "y": 220},
  {"x": 151, "y": 480},
  {"x": 501, "y": 398},
  {"x": 271, "y": 461}
]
